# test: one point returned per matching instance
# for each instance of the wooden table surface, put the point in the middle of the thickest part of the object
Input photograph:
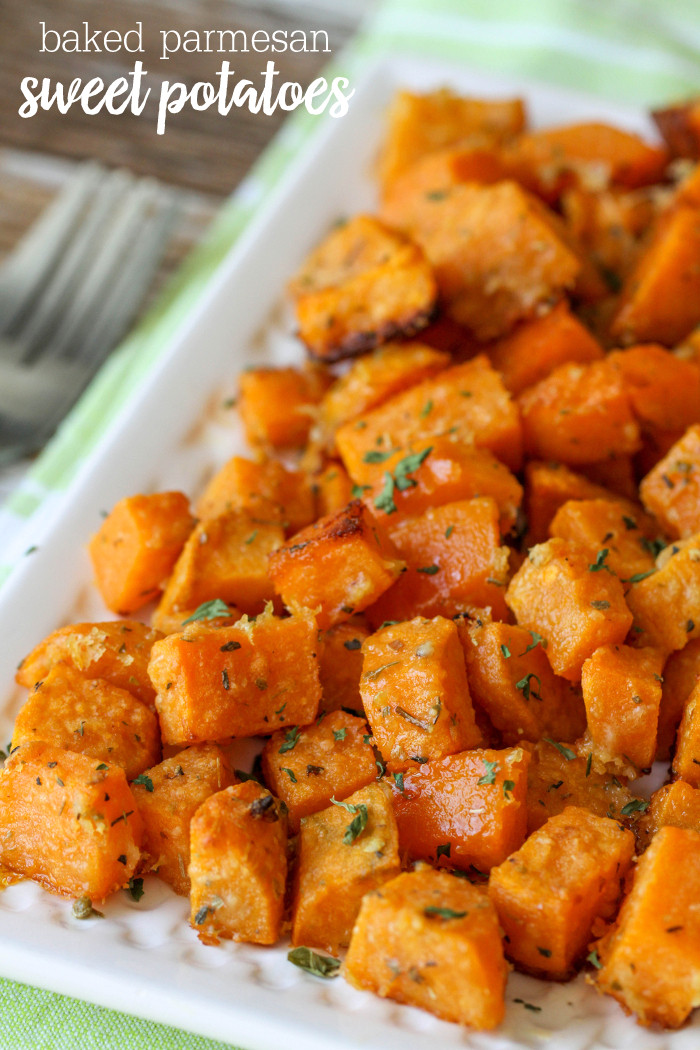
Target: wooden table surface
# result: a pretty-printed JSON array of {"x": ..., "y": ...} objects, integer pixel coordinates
[{"x": 202, "y": 153}]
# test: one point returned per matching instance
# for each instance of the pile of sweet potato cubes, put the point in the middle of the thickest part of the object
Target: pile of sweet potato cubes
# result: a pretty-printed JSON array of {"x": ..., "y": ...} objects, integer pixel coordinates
[{"x": 456, "y": 587}]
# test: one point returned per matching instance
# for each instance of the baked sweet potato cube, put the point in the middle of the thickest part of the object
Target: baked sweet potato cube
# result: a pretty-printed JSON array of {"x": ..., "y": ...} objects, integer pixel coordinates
[
  {"x": 681, "y": 671},
  {"x": 431, "y": 940},
  {"x": 609, "y": 225},
  {"x": 465, "y": 811},
  {"x": 333, "y": 489},
  {"x": 67, "y": 821},
  {"x": 579, "y": 414},
  {"x": 671, "y": 491},
  {"x": 606, "y": 524},
  {"x": 415, "y": 693},
  {"x": 167, "y": 797},
  {"x": 450, "y": 472},
  {"x": 674, "y": 805},
  {"x": 686, "y": 760},
  {"x": 467, "y": 402},
  {"x": 548, "y": 894},
  {"x": 265, "y": 488},
  {"x": 571, "y": 600},
  {"x": 496, "y": 255},
  {"x": 236, "y": 681},
  {"x": 336, "y": 867},
  {"x": 225, "y": 558},
  {"x": 454, "y": 560},
  {"x": 511, "y": 680},
  {"x": 558, "y": 778},
  {"x": 680, "y": 128},
  {"x": 651, "y": 961},
  {"x": 136, "y": 547},
  {"x": 374, "y": 378},
  {"x": 660, "y": 300},
  {"x": 622, "y": 693},
  {"x": 277, "y": 404},
  {"x": 530, "y": 352},
  {"x": 550, "y": 160},
  {"x": 238, "y": 866},
  {"x": 664, "y": 390},
  {"x": 665, "y": 603},
  {"x": 340, "y": 666},
  {"x": 548, "y": 486},
  {"x": 308, "y": 767},
  {"x": 91, "y": 717},
  {"x": 118, "y": 651},
  {"x": 419, "y": 124},
  {"x": 362, "y": 286},
  {"x": 336, "y": 567}
]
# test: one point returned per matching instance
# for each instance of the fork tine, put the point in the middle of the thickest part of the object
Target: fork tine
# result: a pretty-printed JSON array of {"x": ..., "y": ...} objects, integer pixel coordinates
[
  {"x": 77, "y": 258},
  {"x": 116, "y": 252},
  {"x": 26, "y": 269}
]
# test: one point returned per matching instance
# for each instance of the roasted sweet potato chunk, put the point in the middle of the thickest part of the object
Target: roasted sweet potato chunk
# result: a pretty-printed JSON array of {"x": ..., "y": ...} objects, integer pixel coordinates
[
  {"x": 548, "y": 894},
  {"x": 238, "y": 865},
  {"x": 465, "y": 811},
  {"x": 671, "y": 491},
  {"x": 680, "y": 127},
  {"x": 68, "y": 821},
  {"x": 336, "y": 866},
  {"x": 570, "y": 600},
  {"x": 340, "y": 666},
  {"x": 454, "y": 560},
  {"x": 116, "y": 650},
  {"x": 277, "y": 404},
  {"x": 511, "y": 680},
  {"x": 332, "y": 489},
  {"x": 548, "y": 486},
  {"x": 337, "y": 566},
  {"x": 136, "y": 547},
  {"x": 226, "y": 558},
  {"x": 265, "y": 489},
  {"x": 91, "y": 717},
  {"x": 622, "y": 693},
  {"x": 674, "y": 805},
  {"x": 168, "y": 796},
  {"x": 363, "y": 286},
  {"x": 681, "y": 671},
  {"x": 606, "y": 524},
  {"x": 686, "y": 761},
  {"x": 651, "y": 961},
  {"x": 665, "y": 602},
  {"x": 236, "y": 681},
  {"x": 431, "y": 940},
  {"x": 415, "y": 693},
  {"x": 307, "y": 767}
]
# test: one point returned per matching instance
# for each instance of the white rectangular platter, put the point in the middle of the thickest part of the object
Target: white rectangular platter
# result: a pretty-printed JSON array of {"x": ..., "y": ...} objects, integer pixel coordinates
[{"x": 143, "y": 958}]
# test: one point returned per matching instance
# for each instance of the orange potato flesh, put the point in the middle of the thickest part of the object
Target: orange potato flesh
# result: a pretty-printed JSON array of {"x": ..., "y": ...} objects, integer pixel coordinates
[
  {"x": 576, "y": 608},
  {"x": 454, "y": 560},
  {"x": 238, "y": 866},
  {"x": 671, "y": 491},
  {"x": 622, "y": 693},
  {"x": 430, "y": 940},
  {"x": 236, "y": 681},
  {"x": 530, "y": 352},
  {"x": 680, "y": 127},
  {"x": 651, "y": 961},
  {"x": 605, "y": 524},
  {"x": 167, "y": 798},
  {"x": 340, "y": 666},
  {"x": 558, "y": 778},
  {"x": 331, "y": 758},
  {"x": 332, "y": 490},
  {"x": 277, "y": 405},
  {"x": 511, "y": 679},
  {"x": 118, "y": 651},
  {"x": 548, "y": 486},
  {"x": 469, "y": 806},
  {"x": 336, "y": 567},
  {"x": 469, "y": 402},
  {"x": 91, "y": 717},
  {"x": 68, "y": 822},
  {"x": 676, "y": 805},
  {"x": 548, "y": 894},
  {"x": 681, "y": 672},
  {"x": 665, "y": 604},
  {"x": 686, "y": 761},
  {"x": 136, "y": 547},
  {"x": 265, "y": 489},
  {"x": 664, "y": 390},
  {"x": 415, "y": 693},
  {"x": 226, "y": 558},
  {"x": 333, "y": 875}
]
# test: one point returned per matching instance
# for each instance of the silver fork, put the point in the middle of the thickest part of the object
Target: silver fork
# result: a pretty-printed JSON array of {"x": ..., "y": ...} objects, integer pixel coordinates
[{"x": 69, "y": 291}]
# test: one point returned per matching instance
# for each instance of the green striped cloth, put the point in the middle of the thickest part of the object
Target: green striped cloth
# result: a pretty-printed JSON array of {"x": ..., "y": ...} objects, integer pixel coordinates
[{"x": 639, "y": 51}]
